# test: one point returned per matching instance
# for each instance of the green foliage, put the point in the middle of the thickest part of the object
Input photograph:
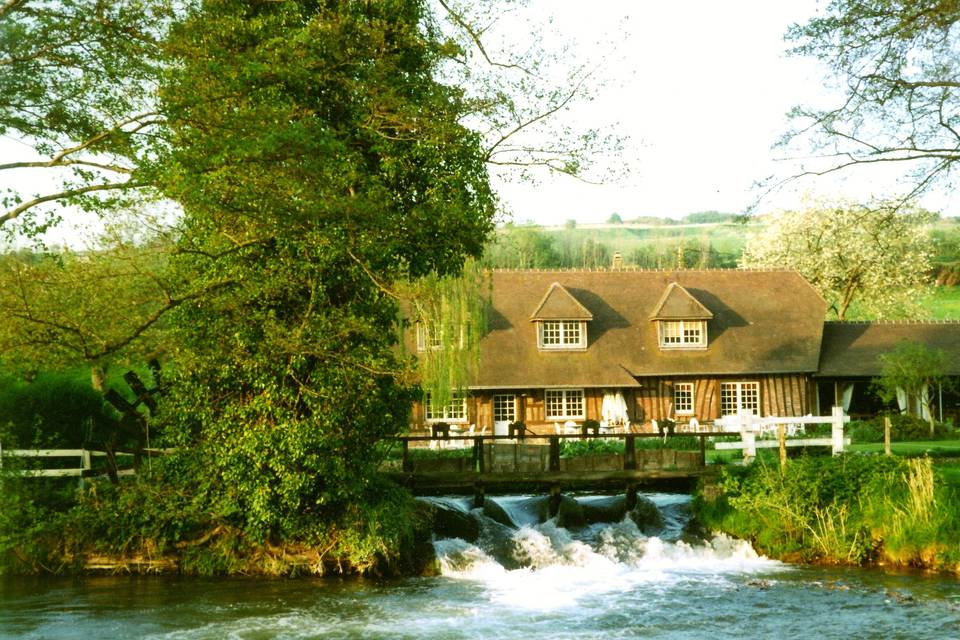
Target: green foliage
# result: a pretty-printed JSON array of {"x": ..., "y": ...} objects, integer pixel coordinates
[
  {"x": 320, "y": 166},
  {"x": 57, "y": 410},
  {"x": 915, "y": 369},
  {"x": 846, "y": 509},
  {"x": 903, "y": 428}
]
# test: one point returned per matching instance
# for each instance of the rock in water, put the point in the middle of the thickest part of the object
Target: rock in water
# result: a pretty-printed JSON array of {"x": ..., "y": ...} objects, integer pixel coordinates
[
  {"x": 497, "y": 513},
  {"x": 611, "y": 509},
  {"x": 449, "y": 522},
  {"x": 646, "y": 515}
]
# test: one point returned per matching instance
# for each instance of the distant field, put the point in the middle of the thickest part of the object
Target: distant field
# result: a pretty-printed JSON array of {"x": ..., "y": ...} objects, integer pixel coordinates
[{"x": 944, "y": 304}]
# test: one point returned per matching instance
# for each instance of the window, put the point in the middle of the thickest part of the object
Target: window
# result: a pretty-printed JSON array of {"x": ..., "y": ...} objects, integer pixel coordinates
[
  {"x": 562, "y": 334},
  {"x": 505, "y": 408},
  {"x": 735, "y": 396},
  {"x": 564, "y": 404},
  {"x": 427, "y": 338},
  {"x": 683, "y": 397},
  {"x": 456, "y": 411},
  {"x": 683, "y": 333}
]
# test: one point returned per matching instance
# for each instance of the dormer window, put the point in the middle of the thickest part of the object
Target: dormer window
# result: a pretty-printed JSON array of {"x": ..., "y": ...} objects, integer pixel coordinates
[
  {"x": 683, "y": 333},
  {"x": 681, "y": 319},
  {"x": 563, "y": 334}
]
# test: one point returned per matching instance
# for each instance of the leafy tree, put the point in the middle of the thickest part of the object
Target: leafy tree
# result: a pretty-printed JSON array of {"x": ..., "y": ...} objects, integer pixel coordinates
[
  {"x": 615, "y": 219},
  {"x": 898, "y": 65},
  {"x": 914, "y": 369},
  {"x": 876, "y": 256},
  {"x": 523, "y": 247},
  {"x": 320, "y": 163},
  {"x": 76, "y": 80}
]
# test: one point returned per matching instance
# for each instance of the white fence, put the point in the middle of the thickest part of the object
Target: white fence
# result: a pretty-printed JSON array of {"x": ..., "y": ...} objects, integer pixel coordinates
[
  {"x": 750, "y": 426},
  {"x": 83, "y": 456}
]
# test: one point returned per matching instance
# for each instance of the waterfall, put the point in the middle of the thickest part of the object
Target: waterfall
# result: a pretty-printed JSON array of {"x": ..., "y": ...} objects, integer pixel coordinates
[{"x": 527, "y": 560}]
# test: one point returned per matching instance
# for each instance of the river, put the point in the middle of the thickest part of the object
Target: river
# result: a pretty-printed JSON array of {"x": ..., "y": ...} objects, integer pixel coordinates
[{"x": 530, "y": 580}]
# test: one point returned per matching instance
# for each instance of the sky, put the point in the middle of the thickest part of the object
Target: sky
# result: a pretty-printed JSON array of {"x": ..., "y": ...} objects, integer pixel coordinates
[
  {"x": 699, "y": 89},
  {"x": 702, "y": 89}
]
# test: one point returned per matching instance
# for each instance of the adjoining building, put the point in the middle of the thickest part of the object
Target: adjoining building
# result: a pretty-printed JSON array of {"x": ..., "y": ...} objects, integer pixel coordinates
[{"x": 631, "y": 346}]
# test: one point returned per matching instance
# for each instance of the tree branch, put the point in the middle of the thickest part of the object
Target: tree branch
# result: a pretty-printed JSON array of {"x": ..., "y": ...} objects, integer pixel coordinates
[{"x": 14, "y": 213}]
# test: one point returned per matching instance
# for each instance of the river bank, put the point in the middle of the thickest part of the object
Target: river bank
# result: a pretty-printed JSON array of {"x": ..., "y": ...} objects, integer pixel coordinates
[{"x": 849, "y": 510}]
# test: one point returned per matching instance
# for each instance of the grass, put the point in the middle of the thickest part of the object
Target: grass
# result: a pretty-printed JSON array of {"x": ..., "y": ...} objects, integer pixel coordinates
[
  {"x": 944, "y": 303},
  {"x": 919, "y": 448}
]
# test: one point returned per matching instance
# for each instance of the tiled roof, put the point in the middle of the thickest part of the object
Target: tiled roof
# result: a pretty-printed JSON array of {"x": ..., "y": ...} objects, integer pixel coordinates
[
  {"x": 559, "y": 304},
  {"x": 677, "y": 304},
  {"x": 853, "y": 348},
  {"x": 763, "y": 322}
]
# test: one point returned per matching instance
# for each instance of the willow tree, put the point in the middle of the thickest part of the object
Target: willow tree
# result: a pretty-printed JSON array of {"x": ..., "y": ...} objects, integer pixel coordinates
[
  {"x": 874, "y": 258},
  {"x": 320, "y": 163}
]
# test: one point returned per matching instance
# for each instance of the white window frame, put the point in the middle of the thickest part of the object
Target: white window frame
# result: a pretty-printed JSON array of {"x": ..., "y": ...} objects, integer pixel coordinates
[
  {"x": 455, "y": 412},
  {"x": 677, "y": 334},
  {"x": 738, "y": 395},
  {"x": 568, "y": 398},
  {"x": 686, "y": 406},
  {"x": 501, "y": 403},
  {"x": 427, "y": 339},
  {"x": 571, "y": 334}
]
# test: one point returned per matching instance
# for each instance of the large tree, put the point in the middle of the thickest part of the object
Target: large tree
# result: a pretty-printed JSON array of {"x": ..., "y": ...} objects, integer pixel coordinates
[
  {"x": 897, "y": 63},
  {"x": 319, "y": 162},
  {"x": 876, "y": 257}
]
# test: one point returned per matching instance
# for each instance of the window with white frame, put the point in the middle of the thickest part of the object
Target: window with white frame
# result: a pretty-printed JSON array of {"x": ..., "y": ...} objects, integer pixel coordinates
[
  {"x": 456, "y": 411},
  {"x": 737, "y": 396},
  {"x": 427, "y": 338},
  {"x": 562, "y": 334},
  {"x": 564, "y": 404},
  {"x": 680, "y": 334},
  {"x": 683, "y": 397}
]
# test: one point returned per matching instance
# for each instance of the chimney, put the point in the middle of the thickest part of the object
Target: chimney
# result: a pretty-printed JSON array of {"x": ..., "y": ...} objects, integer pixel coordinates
[{"x": 617, "y": 261}]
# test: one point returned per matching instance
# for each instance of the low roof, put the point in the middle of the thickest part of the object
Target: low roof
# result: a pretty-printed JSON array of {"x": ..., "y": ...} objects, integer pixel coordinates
[
  {"x": 559, "y": 304},
  {"x": 852, "y": 349},
  {"x": 763, "y": 322},
  {"x": 677, "y": 304}
]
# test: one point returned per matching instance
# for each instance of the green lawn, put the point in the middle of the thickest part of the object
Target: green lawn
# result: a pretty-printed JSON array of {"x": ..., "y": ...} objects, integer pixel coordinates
[
  {"x": 933, "y": 447},
  {"x": 944, "y": 303}
]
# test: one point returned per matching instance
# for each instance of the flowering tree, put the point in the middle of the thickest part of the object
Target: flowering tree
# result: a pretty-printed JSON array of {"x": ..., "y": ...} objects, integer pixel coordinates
[{"x": 876, "y": 256}]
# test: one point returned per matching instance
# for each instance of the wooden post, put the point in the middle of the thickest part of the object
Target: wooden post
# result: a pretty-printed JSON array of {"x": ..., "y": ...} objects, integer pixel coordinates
[
  {"x": 554, "y": 453},
  {"x": 84, "y": 465},
  {"x": 407, "y": 463},
  {"x": 703, "y": 450},
  {"x": 630, "y": 453},
  {"x": 782, "y": 437},
  {"x": 837, "y": 430},
  {"x": 478, "y": 462},
  {"x": 886, "y": 435}
]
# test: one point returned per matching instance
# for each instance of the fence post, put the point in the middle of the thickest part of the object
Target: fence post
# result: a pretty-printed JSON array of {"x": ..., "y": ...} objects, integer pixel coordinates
[
  {"x": 407, "y": 464},
  {"x": 782, "y": 438},
  {"x": 84, "y": 465},
  {"x": 837, "y": 430},
  {"x": 886, "y": 435},
  {"x": 703, "y": 450},
  {"x": 554, "y": 453},
  {"x": 630, "y": 453}
]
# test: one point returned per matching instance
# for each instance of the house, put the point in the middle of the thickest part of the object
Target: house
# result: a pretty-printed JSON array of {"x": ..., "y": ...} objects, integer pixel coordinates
[
  {"x": 850, "y": 359},
  {"x": 568, "y": 345},
  {"x": 631, "y": 346}
]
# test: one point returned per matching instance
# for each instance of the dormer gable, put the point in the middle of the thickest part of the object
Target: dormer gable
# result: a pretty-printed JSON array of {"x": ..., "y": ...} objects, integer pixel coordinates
[
  {"x": 677, "y": 303},
  {"x": 681, "y": 319},
  {"x": 561, "y": 321},
  {"x": 559, "y": 304}
]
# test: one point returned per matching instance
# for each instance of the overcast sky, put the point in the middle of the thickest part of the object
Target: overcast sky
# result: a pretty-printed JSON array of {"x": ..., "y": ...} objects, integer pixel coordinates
[{"x": 700, "y": 88}]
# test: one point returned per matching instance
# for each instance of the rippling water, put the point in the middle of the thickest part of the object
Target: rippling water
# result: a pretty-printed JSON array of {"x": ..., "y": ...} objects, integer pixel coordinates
[{"x": 534, "y": 580}]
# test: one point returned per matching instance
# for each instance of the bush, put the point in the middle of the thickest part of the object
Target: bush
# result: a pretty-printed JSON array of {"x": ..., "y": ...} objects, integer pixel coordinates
[{"x": 903, "y": 428}]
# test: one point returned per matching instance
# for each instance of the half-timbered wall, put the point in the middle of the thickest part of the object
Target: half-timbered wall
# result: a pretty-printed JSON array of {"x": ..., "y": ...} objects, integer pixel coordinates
[{"x": 782, "y": 395}]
